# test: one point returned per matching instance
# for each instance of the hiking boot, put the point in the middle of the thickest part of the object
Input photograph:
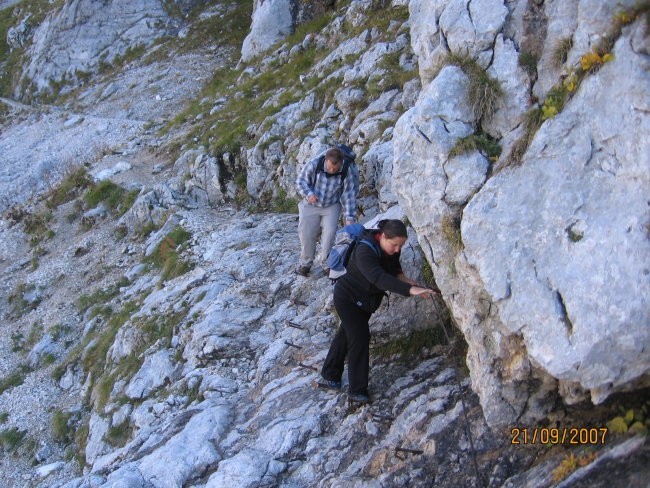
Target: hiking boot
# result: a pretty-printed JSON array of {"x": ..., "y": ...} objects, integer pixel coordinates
[
  {"x": 302, "y": 270},
  {"x": 328, "y": 384},
  {"x": 358, "y": 397}
]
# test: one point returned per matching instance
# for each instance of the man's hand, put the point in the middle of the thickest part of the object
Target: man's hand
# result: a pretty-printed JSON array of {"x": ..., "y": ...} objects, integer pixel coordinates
[{"x": 311, "y": 199}]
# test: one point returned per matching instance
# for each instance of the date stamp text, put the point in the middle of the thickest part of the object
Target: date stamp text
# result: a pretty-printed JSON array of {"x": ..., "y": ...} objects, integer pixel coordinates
[{"x": 558, "y": 435}]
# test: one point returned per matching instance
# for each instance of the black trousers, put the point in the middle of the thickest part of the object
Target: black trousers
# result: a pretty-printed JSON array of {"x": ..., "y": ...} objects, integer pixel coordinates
[{"x": 352, "y": 340}]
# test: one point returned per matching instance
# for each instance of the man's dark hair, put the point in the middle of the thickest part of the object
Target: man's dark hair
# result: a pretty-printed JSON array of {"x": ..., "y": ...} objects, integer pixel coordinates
[
  {"x": 392, "y": 228},
  {"x": 335, "y": 155}
]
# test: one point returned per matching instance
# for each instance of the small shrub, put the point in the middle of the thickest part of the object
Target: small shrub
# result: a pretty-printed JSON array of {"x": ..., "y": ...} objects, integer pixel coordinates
[
  {"x": 49, "y": 359},
  {"x": 591, "y": 62},
  {"x": 570, "y": 464},
  {"x": 630, "y": 421},
  {"x": 121, "y": 231},
  {"x": 81, "y": 440},
  {"x": 4, "y": 417},
  {"x": 36, "y": 225},
  {"x": 555, "y": 101},
  {"x": 17, "y": 341},
  {"x": 284, "y": 204},
  {"x": 16, "y": 299},
  {"x": 105, "y": 191},
  {"x": 533, "y": 121}
]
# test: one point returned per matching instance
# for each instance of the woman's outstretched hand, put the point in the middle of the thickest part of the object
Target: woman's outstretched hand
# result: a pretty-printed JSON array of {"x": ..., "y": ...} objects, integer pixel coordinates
[{"x": 418, "y": 291}]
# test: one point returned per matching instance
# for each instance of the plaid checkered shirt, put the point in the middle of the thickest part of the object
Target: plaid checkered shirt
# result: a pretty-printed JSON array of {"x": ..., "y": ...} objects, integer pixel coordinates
[{"x": 330, "y": 189}]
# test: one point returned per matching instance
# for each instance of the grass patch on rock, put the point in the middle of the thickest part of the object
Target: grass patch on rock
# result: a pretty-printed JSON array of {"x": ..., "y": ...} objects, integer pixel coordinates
[
  {"x": 484, "y": 91},
  {"x": 116, "y": 198},
  {"x": 167, "y": 255},
  {"x": 10, "y": 439},
  {"x": 76, "y": 180},
  {"x": 480, "y": 142}
]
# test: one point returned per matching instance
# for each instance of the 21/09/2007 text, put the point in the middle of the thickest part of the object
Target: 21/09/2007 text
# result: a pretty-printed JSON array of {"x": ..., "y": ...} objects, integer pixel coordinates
[{"x": 561, "y": 435}]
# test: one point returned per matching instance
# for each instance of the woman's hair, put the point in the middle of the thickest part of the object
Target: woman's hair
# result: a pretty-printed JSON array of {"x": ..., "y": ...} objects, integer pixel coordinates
[{"x": 392, "y": 228}]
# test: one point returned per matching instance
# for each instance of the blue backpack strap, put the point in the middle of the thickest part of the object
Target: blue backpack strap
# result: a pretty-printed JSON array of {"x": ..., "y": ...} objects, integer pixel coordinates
[{"x": 373, "y": 246}]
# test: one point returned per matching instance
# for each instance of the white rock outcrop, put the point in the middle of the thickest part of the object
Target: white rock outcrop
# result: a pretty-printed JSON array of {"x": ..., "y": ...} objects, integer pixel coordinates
[
  {"x": 548, "y": 288},
  {"x": 124, "y": 24},
  {"x": 272, "y": 21}
]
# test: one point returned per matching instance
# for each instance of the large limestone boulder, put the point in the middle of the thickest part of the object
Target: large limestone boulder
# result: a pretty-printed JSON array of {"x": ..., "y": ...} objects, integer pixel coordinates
[
  {"x": 438, "y": 28},
  {"x": 562, "y": 238},
  {"x": 541, "y": 264},
  {"x": 273, "y": 20}
]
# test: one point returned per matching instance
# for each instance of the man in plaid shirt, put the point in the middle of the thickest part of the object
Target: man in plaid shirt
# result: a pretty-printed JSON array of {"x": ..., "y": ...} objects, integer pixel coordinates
[{"x": 325, "y": 193}]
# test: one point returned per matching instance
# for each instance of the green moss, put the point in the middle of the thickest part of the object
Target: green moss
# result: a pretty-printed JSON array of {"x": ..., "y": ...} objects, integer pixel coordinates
[
  {"x": 427, "y": 274},
  {"x": 4, "y": 417}
]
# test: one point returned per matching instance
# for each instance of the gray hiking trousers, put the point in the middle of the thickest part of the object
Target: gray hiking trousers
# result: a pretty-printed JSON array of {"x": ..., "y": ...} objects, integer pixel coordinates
[{"x": 313, "y": 221}]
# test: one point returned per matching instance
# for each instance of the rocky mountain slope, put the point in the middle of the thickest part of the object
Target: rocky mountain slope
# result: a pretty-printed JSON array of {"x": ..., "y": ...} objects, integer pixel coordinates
[{"x": 155, "y": 333}]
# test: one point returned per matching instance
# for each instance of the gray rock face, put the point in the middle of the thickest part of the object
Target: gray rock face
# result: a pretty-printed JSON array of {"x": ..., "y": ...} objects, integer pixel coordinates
[
  {"x": 157, "y": 370},
  {"x": 552, "y": 248},
  {"x": 123, "y": 24},
  {"x": 272, "y": 21},
  {"x": 454, "y": 26},
  {"x": 562, "y": 272}
]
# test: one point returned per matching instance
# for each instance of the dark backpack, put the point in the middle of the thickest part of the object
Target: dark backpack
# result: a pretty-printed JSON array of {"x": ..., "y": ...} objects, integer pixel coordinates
[
  {"x": 349, "y": 157},
  {"x": 345, "y": 241}
]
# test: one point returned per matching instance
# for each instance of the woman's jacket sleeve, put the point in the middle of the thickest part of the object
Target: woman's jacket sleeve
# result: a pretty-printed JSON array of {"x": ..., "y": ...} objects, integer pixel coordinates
[{"x": 368, "y": 265}]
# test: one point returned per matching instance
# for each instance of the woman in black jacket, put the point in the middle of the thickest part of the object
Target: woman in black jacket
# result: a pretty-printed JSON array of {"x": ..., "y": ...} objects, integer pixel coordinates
[{"x": 372, "y": 270}]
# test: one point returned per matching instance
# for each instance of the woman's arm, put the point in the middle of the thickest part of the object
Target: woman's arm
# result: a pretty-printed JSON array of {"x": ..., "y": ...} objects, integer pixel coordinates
[
  {"x": 406, "y": 279},
  {"x": 367, "y": 262}
]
